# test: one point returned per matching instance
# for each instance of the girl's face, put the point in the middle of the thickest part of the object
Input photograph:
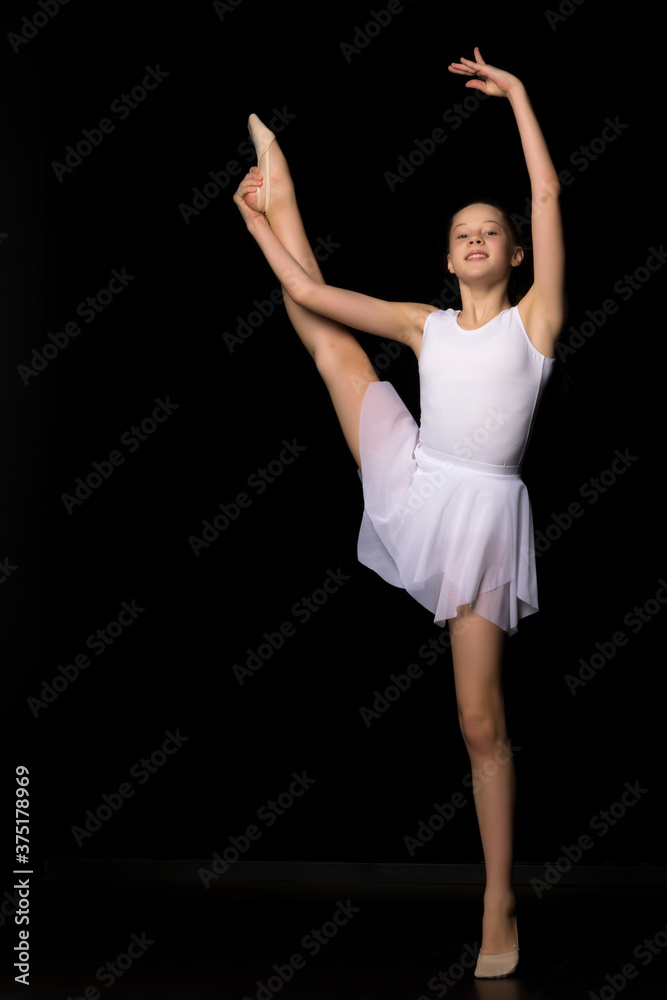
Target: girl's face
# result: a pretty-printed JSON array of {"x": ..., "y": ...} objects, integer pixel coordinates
[{"x": 480, "y": 244}]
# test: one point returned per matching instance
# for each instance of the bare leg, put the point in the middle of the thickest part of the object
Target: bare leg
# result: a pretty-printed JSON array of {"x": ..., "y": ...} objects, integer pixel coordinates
[
  {"x": 340, "y": 359},
  {"x": 477, "y": 651}
]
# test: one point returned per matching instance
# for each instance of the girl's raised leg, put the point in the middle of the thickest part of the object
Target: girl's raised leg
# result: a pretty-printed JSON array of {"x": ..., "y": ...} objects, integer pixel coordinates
[{"x": 340, "y": 359}]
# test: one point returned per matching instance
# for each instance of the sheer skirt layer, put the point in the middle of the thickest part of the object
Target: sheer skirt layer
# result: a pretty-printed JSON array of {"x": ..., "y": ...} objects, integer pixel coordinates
[{"x": 448, "y": 530}]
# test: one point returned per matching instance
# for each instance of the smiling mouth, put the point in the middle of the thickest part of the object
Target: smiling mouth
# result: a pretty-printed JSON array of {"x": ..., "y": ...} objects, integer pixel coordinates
[{"x": 477, "y": 256}]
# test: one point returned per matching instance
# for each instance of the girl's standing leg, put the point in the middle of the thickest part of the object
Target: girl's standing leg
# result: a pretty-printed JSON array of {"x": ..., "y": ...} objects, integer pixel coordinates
[
  {"x": 477, "y": 653},
  {"x": 340, "y": 359}
]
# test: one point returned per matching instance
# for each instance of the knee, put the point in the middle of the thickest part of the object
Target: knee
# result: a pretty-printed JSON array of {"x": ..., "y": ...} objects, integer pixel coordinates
[
  {"x": 482, "y": 731},
  {"x": 328, "y": 355},
  {"x": 340, "y": 354}
]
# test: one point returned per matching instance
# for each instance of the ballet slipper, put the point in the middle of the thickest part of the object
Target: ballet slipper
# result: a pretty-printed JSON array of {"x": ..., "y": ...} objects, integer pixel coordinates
[
  {"x": 498, "y": 966},
  {"x": 262, "y": 137}
]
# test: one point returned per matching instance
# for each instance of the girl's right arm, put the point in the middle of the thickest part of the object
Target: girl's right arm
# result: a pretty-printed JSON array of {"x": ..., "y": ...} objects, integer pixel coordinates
[{"x": 402, "y": 321}]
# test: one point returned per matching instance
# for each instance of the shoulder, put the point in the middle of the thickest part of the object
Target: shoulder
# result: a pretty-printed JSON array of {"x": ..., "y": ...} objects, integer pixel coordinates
[
  {"x": 543, "y": 325},
  {"x": 417, "y": 315}
]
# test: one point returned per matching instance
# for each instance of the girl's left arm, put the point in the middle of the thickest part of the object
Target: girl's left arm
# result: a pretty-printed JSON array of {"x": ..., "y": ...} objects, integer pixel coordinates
[{"x": 543, "y": 308}]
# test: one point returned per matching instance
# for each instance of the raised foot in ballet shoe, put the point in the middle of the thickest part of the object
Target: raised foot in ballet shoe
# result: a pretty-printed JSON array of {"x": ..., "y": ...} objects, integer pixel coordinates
[{"x": 262, "y": 137}]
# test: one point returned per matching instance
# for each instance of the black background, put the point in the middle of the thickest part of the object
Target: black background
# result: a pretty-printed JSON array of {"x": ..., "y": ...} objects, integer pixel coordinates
[{"x": 349, "y": 119}]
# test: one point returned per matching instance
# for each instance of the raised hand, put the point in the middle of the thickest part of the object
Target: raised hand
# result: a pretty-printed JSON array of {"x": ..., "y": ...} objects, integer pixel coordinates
[{"x": 489, "y": 79}]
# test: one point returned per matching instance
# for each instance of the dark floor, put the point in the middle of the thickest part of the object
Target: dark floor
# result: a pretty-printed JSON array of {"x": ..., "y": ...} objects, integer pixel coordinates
[{"x": 387, "y": 943}]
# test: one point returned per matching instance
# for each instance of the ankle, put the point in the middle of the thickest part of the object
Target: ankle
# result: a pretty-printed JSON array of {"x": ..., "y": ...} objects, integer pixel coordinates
[{"x": 502, "y": 899}]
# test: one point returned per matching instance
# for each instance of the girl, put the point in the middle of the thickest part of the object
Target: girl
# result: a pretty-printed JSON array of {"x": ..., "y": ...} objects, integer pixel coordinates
[{"x": 446, "y": 514}]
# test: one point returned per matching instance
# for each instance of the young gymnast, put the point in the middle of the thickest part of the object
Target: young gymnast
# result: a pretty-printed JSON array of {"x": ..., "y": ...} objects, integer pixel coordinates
[{"x": 446, "y": 513}]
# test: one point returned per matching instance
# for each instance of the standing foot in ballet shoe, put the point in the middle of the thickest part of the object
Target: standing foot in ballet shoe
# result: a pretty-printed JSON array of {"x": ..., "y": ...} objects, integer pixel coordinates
[
  {"x": 277, "y": 188},
  {"x": 498, "y": 966}
]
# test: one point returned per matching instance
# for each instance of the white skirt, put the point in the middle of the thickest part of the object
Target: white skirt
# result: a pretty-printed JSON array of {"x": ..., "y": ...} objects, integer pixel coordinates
[{"x": 448, "y": 530}]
